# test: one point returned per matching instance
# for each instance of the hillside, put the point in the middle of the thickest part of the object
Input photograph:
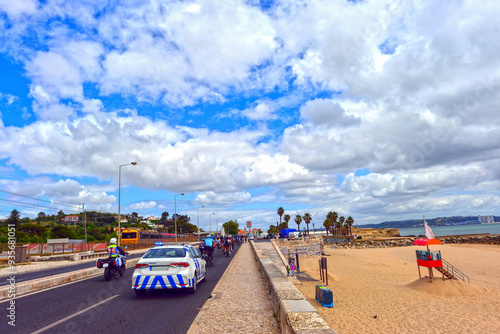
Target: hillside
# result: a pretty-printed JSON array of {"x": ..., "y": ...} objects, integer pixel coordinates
[{"x": 432, "y": 222}]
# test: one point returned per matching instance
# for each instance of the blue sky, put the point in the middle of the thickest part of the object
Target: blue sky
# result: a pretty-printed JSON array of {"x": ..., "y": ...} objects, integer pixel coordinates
[{"x": 379, "y": 110}]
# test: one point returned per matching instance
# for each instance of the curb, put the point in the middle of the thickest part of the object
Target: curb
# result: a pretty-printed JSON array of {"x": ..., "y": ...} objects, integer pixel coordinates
[{"x": 51, "y": 281}]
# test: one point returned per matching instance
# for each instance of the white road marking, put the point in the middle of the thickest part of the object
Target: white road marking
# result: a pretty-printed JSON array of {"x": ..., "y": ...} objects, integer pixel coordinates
[{"x": 73, "y": 315}]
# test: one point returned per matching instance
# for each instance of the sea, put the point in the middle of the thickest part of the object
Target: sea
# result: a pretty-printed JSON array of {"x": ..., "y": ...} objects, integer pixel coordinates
[{"x": 440, "y": 231}]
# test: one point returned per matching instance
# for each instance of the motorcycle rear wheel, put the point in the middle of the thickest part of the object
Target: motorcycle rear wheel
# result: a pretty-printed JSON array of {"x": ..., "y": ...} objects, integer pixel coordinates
[{"x": 107, "y": 274}]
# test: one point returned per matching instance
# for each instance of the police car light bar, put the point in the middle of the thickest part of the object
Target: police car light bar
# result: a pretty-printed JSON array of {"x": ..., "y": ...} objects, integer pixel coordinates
[{"x": 158, "y": 243}]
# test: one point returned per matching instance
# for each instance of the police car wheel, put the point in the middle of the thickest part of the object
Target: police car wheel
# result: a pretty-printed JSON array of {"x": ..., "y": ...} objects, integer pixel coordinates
[
  {"x": 195, "y": 282},
  {"x": 204, "y": 277},
  {"x": 140, "y": 292}
]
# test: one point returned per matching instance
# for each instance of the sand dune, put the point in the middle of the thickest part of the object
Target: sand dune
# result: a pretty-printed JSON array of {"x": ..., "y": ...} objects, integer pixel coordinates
[{"x": 379, "y": 291}]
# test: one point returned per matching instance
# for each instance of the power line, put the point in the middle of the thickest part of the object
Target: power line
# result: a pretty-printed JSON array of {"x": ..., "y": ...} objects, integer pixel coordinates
[{"x": 42, "y": 200}]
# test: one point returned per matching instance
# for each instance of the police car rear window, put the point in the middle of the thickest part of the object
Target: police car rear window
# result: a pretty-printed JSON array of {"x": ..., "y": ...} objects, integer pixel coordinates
[{"x": 165, "y": 253}]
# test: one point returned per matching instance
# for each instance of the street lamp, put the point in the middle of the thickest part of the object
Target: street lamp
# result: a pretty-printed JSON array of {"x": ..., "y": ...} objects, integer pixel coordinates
[
  {"x": 119, "y": 198},
  {"x": 175, "y": 214},
  {"x": 211, "y": 223},
  {"x": 198, "y": 216}
]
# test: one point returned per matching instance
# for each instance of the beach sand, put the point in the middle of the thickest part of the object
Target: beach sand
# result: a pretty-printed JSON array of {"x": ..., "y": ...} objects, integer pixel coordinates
[{"x": 379, "y": 291}]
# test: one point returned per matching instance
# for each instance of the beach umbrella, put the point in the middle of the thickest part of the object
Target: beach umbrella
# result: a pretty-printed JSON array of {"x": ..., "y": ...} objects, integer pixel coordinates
[{"x": 427, "y": 242}]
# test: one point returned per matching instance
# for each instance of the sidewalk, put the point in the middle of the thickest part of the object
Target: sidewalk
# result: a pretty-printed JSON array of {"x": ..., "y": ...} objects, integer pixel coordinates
[{"x": 240, "y": 302}]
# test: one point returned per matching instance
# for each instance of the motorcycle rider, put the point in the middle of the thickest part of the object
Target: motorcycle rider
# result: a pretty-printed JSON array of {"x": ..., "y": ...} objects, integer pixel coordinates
[{"x": 113, "y": 251}]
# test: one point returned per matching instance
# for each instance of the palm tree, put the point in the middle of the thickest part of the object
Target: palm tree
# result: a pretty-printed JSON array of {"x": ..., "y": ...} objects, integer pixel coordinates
[
  {"x": 281, "y": 211},
  {"x": 327, "y": 224},
  {"x": 349, "y": 222},
  {"x": 307, "y": 220},
  {"x": 341, "y": 223},
  {"x": 333, "y": 218},
  {"x": 298, "y": 220},
  {"x": 287, "y": 219}
]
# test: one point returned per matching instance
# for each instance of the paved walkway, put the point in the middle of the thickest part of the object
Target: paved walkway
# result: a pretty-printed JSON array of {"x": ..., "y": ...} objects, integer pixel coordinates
[{"x": 240, "y": 302}]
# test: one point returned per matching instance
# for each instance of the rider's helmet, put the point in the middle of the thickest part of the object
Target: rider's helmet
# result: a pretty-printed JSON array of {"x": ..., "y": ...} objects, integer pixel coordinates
[{"x": 112, "y": 241}]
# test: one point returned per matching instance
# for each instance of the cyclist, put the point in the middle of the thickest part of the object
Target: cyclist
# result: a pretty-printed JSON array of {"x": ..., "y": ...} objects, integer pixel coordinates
[
  {"x": 217, "y": 244},
  {"x": 209, "y": 242}
]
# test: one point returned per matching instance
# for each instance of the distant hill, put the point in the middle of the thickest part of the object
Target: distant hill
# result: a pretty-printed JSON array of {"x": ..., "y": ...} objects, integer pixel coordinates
[{"x": 420, "y": 222}]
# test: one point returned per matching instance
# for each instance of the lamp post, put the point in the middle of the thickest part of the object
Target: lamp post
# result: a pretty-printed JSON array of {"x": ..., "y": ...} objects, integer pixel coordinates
[
  {"x": 175, "y": 214},
  {"x": 198, "y": 217},
  {"x": 119, "y": 198},
  {"x": 211, "y": 222}
]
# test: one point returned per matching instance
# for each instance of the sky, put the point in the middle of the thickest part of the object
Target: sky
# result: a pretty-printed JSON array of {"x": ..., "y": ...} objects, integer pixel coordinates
[{"x": 376, "y": 109}]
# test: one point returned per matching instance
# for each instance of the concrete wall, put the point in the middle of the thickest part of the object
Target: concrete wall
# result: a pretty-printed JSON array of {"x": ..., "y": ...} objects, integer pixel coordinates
[{"x": 294, "y": 313}]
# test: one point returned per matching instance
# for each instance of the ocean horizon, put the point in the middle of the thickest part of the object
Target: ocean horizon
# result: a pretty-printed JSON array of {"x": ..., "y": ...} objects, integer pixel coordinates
[{"x": 493, "y": 228}]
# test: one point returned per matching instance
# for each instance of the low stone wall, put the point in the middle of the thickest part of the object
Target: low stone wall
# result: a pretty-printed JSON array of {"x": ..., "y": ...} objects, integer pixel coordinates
[{"x": 294, "y": 313}]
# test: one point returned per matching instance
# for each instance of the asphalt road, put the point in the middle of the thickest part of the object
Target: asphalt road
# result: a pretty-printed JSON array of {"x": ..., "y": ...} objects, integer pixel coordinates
[
  {"x": 95, "y": 306},
  {"x": 59, "y": 270}
]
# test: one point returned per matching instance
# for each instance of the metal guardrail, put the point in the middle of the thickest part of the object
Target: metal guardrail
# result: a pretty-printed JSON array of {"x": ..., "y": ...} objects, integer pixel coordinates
[
  {"x": 455, "y": 272},
  {"x": 93, "y": 255}
]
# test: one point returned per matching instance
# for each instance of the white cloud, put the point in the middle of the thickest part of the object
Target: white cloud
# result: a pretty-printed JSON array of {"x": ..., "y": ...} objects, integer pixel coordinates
[
  {"x": 18, "y": 8},
  {"x": 406, "y": 91},
  {"x": 145, "y": 205}
]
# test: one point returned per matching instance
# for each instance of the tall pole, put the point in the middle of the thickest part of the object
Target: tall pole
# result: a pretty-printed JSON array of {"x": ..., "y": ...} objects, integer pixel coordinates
[
  {"x": 119, "y": 199},
  {"x": 175, "y": 214},
  {"x": 198, "y": 215}
]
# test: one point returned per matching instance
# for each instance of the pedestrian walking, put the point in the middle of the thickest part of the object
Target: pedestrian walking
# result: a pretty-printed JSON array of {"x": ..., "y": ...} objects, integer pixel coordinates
[
  {"x": 288, "y": 270},
  {"x": 292, "y": 267}
]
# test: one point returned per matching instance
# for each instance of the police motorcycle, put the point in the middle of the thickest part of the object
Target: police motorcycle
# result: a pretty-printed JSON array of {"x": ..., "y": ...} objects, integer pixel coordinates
[{"x": 113, "y": 266}]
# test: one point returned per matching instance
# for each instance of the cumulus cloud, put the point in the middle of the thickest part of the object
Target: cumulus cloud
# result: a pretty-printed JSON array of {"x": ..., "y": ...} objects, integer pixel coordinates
[
  {"x": 407, "y": 92},
  {"x": 146, "y": 205}
]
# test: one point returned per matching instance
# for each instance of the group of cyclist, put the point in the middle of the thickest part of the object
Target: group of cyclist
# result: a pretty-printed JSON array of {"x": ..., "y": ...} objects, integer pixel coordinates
[{"x": 222, "y": 243}]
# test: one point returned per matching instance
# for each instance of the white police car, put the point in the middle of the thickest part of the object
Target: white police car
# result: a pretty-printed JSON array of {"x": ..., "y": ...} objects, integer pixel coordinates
[{"x": 169, "y": 267}]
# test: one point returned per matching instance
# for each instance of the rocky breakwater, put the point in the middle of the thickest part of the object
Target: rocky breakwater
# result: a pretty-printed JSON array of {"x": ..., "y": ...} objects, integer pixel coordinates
[
  {"x": 472, "y": 239},
  {"x": 364, "y": 244}
]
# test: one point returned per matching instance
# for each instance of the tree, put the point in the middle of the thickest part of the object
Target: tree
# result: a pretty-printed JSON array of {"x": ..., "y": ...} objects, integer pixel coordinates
[
  {"x": 62, "y": 231},
  {"x": 164, "y": 216},
  {"x": 230, "y": 227},
  {"x": 327, "y": 224},
  {"x": 42, "y": 215},
  {"x": 13, "y": 219},
  {"x": 333, "y": 219},
  {"x": 298, "y": 220},
  {"x": 33, "y": 229},
  {"x": 287, "y": 219},
  {"x": 307, "y": 220},
  {"x": 349, "y": 223},
  {"x": 281, "y": 211},
  {"x": 341, "y": 225}
]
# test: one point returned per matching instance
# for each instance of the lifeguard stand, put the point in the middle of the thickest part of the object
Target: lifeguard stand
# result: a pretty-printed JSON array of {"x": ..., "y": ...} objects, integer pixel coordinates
[
  {"x": 429, "y": 259},
  {"x": 433, "y": 259}
]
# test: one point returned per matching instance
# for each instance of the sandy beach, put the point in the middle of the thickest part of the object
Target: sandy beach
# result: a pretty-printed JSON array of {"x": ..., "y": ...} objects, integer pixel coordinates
[{"x": 379, "y": 291}]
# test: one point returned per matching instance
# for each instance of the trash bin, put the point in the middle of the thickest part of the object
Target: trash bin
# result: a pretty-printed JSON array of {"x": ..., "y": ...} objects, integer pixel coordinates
[{"x": 20, "y": 255}]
